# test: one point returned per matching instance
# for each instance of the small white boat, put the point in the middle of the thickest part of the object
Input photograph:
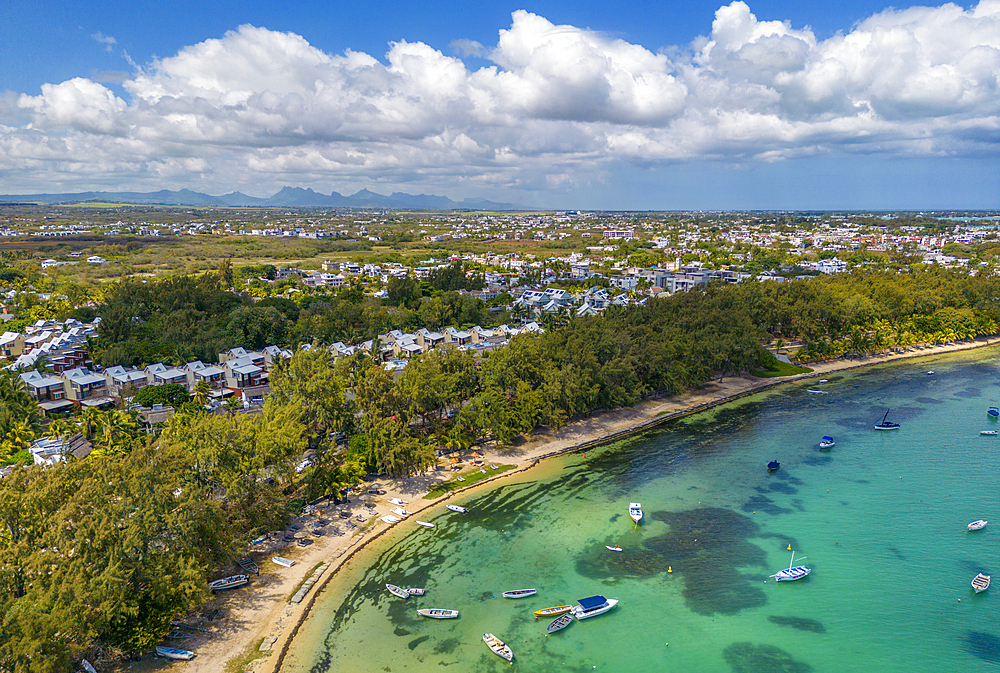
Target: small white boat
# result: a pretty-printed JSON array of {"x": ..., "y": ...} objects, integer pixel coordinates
[
  {"x": 613, "y": 548},
  {"x": 401, "y": 512},
  {"x": 977, "y": 525},
  {"x": 459, "y": 478},
  {"x": 931, "y": 372},
  {"x": 816, "y": 392},
  {"x": 498, "y": 646},
  {"x": 389, "y": 518},
  {"x": 482, "y": 470},
  {"x": 593, "y": 606},
  {"x": 789, "y": 574},
  {"x": 520, "y": 593},
  {"x": 416, "y": 592},
  {"x": 457, "y": 508},
  {"x": 397, "y": 501},
  {"x": 559, "y": 623},
  {"x": 282, "y": 561},
  {"x": 991, "y": 433},
  {"x": 397, "y": 592},
  {"x": 827, "y": 443},
  {"x": 174, "y": 653},
  {"x": 229, "y": 582},
  {"x": 425, "y": 524},
  {"x": 492, "y": 466},
  {"x": 438, "y": 613},
  {"x": 981, "y": 582},
  {"x": 824, "y": 380},
  {"x": 635, "y": 511}
]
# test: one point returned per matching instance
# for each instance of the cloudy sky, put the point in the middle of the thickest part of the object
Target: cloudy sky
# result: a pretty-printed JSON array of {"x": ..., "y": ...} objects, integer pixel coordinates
[{"x": 642, "y": 105}]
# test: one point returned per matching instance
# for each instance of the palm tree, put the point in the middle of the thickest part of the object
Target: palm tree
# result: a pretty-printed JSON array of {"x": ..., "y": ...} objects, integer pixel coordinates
[
  {"x": 201, "y": 391},
  {"x": 232, "y": 404}
]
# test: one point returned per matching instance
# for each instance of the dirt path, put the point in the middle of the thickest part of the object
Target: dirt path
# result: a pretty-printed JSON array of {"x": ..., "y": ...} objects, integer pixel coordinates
[{"x": 263, "y": 612}]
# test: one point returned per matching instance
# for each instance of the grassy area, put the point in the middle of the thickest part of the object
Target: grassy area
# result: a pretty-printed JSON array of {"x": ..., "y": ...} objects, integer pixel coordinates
[
  {"x": 303, "y": 581},
  {"x": 470, "y": 478},
  {"x": 250, "y": 653},
  {"x": 779, "y": 368}
]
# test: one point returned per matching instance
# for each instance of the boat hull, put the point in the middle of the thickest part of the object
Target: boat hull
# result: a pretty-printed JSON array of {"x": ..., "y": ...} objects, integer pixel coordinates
[
  {"x": 498, "y": 646},
  {"x": 519, "y": 593},
  {"x": 229, "y": 582},
  {"x": 457, "y": 508},
  {"x": 582, "y": 614},
  {"x": 438, "y": 613},
  {"x": 792, "y": 574},
  {"x": 635, "y": 511},
  {"x": 281, "y": 561},
  {"x": 559, "y": 623},
  {"x": 981, "y": 583},
  {"x": 977, "y": 525},
  {"x": 174, "y": 653},
  {"x": 397, "y": 591},
  {"x": 553, "y": 612}
]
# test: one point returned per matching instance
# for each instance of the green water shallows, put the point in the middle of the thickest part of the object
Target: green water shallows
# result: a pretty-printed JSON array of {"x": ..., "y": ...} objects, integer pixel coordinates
[{"x": 880, "y": 519}]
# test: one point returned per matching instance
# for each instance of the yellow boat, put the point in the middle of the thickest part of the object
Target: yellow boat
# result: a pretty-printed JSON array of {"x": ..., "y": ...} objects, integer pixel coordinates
[{"x": 553, "y": 612}]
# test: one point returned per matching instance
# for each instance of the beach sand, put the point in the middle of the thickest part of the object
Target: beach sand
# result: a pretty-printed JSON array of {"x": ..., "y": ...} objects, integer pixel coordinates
[{"x": 246, "y": 617}]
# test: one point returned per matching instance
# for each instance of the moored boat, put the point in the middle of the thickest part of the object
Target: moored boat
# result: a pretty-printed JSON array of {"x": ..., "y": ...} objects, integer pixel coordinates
[
  {"x": 457, "y": 508},
  {"x": 993, "y": 412},
  {"x": 613, "y": 548},
  {"x": 827, "y": 442},
  {"x": 438, "y": 613},
  {"x": 635, "y": 511},
  {"x": 992, "y": 433},
  {"x": 977, "y": 525},
  {"x": 174, "y": 653},
  {"x": 520, "y": 593},
  {"x": 229, "y": 582},
  {"x": 593, "y": 606},
  {"x": 282, "y": 561},
  {"x": 425, "y": 524},
  {"x": 981, "y": 582},
  {"x": 816, "y": 392},
  {"x": 790, "y": 574},
  {"x": 552, "y": 612},
  {"x": 886, "y": 425},
  {"x": 498, "y": 646},
  {"x": 773, "y": 466},
  {"x": 415, "y": 591},
  {"x": 397, "y": 592},
  {"x": 559, "y": 623}
]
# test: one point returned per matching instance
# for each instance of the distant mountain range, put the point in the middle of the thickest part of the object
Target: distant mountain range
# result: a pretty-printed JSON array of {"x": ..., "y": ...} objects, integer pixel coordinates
[{"x": 288, "y": 197}]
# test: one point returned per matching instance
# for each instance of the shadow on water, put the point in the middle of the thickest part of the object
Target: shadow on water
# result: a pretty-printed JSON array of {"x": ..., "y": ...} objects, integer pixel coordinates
[
  {"x": 800, "y": 623},
  {"x": 760, "y": 503},
  {"x": 929, "y": 400},
  {"x": 985, "y": 646},
  {"x": 706, "y": 547},
  {"x": 750, "y": 658}
]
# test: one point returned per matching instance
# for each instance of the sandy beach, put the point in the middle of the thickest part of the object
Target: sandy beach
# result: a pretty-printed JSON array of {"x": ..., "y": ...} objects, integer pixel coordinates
[{"x": 262, "y": 616}]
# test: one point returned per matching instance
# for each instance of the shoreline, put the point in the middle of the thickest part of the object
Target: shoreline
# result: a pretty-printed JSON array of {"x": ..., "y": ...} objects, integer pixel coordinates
[{"x": 267, "y": 615}]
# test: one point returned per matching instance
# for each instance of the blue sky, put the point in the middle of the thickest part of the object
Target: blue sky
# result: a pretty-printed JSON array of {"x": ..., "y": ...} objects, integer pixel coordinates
[{"x": 647, "y": 105}]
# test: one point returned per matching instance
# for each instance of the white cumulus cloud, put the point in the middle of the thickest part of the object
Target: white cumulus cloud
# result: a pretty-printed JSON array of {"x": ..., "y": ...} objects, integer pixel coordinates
[{"x": 555, "y": 105}]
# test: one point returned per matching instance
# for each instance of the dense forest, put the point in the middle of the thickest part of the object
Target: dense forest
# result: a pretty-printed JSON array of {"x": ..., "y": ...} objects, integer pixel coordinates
[{"x": 99, "y": 554}]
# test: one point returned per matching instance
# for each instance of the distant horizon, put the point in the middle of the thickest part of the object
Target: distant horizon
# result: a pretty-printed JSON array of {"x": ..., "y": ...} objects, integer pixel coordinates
[{"x": 745, "y": 104}]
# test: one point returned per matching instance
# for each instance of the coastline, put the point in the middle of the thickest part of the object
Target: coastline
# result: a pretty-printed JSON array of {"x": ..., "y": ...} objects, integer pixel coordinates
[{"x": 264, "y": 613}]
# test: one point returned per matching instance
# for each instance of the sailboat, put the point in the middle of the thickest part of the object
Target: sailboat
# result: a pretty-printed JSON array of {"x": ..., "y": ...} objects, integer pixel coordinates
[
  {"x": 789, "y": 574},
  {"x": 886, "y": 425}
]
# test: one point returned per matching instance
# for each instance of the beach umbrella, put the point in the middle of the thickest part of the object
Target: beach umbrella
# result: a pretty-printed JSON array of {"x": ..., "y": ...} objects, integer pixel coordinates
[
  {"x": 453, "y": 460},
  {"x": 476, "y": 454}
]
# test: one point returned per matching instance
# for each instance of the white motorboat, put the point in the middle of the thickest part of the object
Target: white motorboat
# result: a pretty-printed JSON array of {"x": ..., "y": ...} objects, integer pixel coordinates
[
  {"x": 981, "y": 582},
  {"x": 457, "y": 508},
  {"x": 174, "y": 653},
  {"x": 282, "y": 561},
  {"x": 790, "y": 574},
  {"x": 616, "y": 548},
  {"x": 425, "y": 524},
  {"x": 593, "y": 606},
  {"x": 229, "y": 582},
  {"x": 397, "y": 592},
  {"x": 559, "y": 623},
  {"x": 824, "y": 380},
  {"x": 991, "y": 433},
  {"x": 438, "y": 613},
  {"x": 635, "y": 511},
  {"x": 397, "y": 501},
  {"x": 827, "y": 442},
  {"x": 498, "y": 646},
  {"x": 401, "y": 512},
  {"x": 389, "y": 518},
  {"x": 416, "y": 592},
  {"x": 520, "y": 593},
  {"x": 977, "y": 525}
]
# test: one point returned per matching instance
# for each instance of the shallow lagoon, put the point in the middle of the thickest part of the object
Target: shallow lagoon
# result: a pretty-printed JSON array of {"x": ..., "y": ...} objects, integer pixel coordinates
[{"x": 880, "y": 518}]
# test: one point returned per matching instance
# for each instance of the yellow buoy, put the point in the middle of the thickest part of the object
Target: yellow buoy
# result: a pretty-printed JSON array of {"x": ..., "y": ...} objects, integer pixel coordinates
[
  {"x": 670, "y": 569},
  {"x": 789, "y": 547}
]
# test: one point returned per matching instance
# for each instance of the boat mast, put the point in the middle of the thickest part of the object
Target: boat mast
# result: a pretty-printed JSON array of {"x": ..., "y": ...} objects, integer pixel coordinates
[{"x": 885, "y": 417}]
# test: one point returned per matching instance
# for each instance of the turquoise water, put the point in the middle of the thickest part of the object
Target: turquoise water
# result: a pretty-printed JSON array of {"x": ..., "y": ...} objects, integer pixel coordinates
[{"x": 880, "y": 519}]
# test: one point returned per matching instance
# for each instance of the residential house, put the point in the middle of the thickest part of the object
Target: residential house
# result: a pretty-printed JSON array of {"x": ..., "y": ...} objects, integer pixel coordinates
[
  {"x": 85, "y": 388},
  {"x": 124, "y": 383},
  {"x": 215, "y": 377},
  {"x": 457, "y": 337},
  {"x": 11, "y": 344},
  {"x": 49, "y": 451},
  {"x": 48, "y": 391},
  {"x": 159, "y": 374},
  {"x": 429, "y": 340}
]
